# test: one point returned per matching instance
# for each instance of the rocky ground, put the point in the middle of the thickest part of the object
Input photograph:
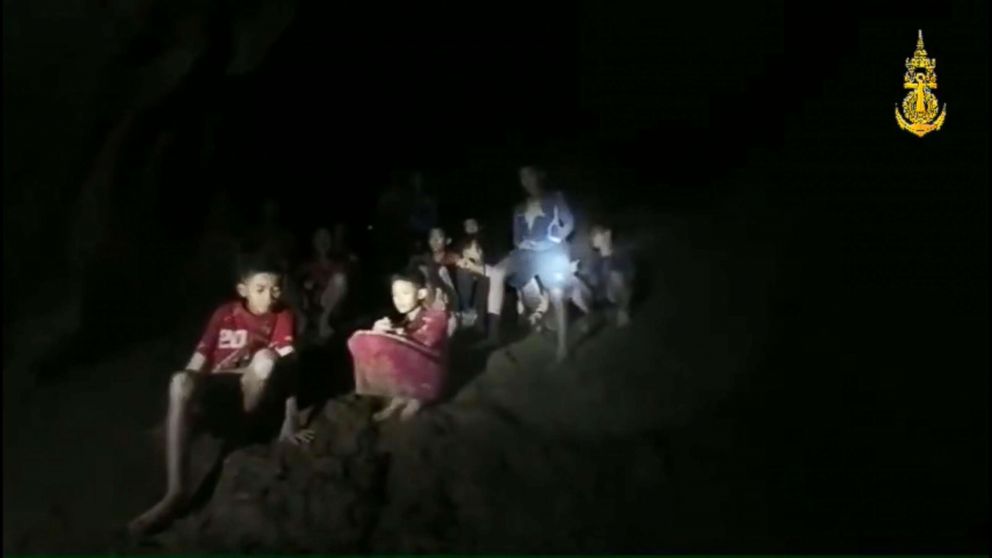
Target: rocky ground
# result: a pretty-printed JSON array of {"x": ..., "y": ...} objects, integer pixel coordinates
[{"x": 631, "y": 446}]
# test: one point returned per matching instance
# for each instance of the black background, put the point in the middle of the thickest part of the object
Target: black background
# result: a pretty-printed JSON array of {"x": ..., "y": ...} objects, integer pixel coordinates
[{"x": 777, "y": 116}]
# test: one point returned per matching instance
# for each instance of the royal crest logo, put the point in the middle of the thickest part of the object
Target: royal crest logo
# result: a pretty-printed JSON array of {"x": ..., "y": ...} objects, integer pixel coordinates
[{"x": 919, "y": 110}]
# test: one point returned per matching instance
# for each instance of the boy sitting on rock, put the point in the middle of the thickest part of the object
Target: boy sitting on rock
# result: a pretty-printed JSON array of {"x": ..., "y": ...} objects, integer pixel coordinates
[
  {"x": 610, "y": 274},
  {"x": 228, "y": 374}
]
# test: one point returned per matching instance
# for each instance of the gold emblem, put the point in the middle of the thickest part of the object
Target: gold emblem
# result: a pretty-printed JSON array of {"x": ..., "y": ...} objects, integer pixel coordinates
[{"x": 919, "y": 113}]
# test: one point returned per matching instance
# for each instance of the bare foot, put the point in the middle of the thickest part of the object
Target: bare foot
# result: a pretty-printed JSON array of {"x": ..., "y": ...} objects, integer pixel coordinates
[
  {"x": 159, "y": 514},
  {"x": 384, "y": 414},
  {"x": 301, "y": 438},
  {"x": 410, "y": 409}
]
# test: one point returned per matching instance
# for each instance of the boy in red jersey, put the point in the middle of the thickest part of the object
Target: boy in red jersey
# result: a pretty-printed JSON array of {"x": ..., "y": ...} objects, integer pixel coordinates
[{"x": 242, "y": 342}]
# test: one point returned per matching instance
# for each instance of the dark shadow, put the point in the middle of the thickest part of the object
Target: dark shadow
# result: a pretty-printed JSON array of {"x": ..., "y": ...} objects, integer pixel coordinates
[
  {"x": 468, "y": 354},
  {"x": 205, "y": 490},
  {"x": 644, "y": 276}
]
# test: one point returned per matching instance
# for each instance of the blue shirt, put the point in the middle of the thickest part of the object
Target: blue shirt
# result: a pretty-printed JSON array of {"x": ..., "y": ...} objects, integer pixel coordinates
[
  {"x": 548, "y": 230},
  {"x": 600, "y": 268}
]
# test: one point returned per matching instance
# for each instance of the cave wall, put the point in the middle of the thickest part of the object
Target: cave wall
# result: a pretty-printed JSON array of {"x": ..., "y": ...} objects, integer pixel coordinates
[{"x": 113, "y": 112}]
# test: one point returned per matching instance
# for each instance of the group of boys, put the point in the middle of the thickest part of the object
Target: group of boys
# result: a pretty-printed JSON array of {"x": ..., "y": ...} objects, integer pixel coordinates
[{"x": 233, "y": 364}]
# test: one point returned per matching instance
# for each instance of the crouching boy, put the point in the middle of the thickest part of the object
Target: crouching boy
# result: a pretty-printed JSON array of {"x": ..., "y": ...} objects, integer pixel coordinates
[{"x": 611, "y": 273}]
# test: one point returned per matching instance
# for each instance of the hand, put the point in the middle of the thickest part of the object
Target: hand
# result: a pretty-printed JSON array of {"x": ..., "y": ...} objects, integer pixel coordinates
[
  {"x": 470, "y": 265},
  {"x": 308, "y": 284},
  {"x": 384, "y": 325},
  {"x": 301, "y": 438},
  {"x": 528, "y": 244}
]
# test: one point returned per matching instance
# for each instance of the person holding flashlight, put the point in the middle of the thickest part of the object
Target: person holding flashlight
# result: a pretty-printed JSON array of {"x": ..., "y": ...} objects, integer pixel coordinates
[{"x": 540, "y": 259}]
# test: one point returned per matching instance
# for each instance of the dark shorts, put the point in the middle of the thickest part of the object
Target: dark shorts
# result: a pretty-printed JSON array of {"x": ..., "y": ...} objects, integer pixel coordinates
[
  {"x": 552, "y": 267},
  {"x": 217, "y": 406}
]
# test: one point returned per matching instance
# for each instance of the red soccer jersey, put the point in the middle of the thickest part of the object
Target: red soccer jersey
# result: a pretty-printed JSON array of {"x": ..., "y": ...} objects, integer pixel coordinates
[{"x": 234, "y": 335}]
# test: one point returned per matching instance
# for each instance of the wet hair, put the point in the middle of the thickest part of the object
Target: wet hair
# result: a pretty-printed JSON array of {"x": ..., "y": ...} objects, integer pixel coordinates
[
  {"x": 411, "y": 274},
  {"x": 250, "y": 265}
]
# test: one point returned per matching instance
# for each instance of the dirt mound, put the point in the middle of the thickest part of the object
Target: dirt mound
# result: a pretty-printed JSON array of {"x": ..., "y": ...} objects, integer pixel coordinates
[{"x": 323, "y": 498}]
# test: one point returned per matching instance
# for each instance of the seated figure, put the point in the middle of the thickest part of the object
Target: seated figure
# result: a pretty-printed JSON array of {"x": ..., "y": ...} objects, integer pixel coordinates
[{"x": 403, "y": 359}]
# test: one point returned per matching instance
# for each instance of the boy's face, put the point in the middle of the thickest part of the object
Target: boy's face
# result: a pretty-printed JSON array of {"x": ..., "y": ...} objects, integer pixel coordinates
[
  {"x": 322, "y": 241},
  {"x": 437, "y": 240},
  {"x": 600, "y": 238},
  {"x": 471, "y": 226},
  {"x": 530, "y": 179},
  {"x": 406, "y": 296},
  {"x": 472, "y": 252},
  {"x": 260, "y": 291}
]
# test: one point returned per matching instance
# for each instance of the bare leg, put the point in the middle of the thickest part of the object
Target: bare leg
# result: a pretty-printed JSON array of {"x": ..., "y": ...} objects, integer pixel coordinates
[
  {"x": 290, "y": 421},
  {"x": 494, "y": 302},
  {"x": 581, "y": 295},
  {"x": 497, "y": 287},
  {"x": 534, "y": 305},
  {"x": 410, "y": 408},
  {"x": 176, "y": 455},
  {"x": 255, "y": 377},
  {"x": 335, "y": 292},
  {"x": 291, "y": 431},
  {"x": 561, "y": 319},
  {"x": 618, "y": 292}
]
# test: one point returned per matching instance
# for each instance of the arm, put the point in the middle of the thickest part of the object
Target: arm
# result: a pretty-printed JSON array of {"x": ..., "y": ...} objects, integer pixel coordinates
[
  {"x": 208, "y": 342},
  {"x": 470, "y": 266},
  {"x": 564, "y": 216},
  {"x": 385, "y": 325},
  {"x": 282, "y": 334},
  {"x": 451, "y": 258},
  {"x": 518, "y": 230},
  {"x": 562, "y": 224},
  {"x": 433, "y": 330}
]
